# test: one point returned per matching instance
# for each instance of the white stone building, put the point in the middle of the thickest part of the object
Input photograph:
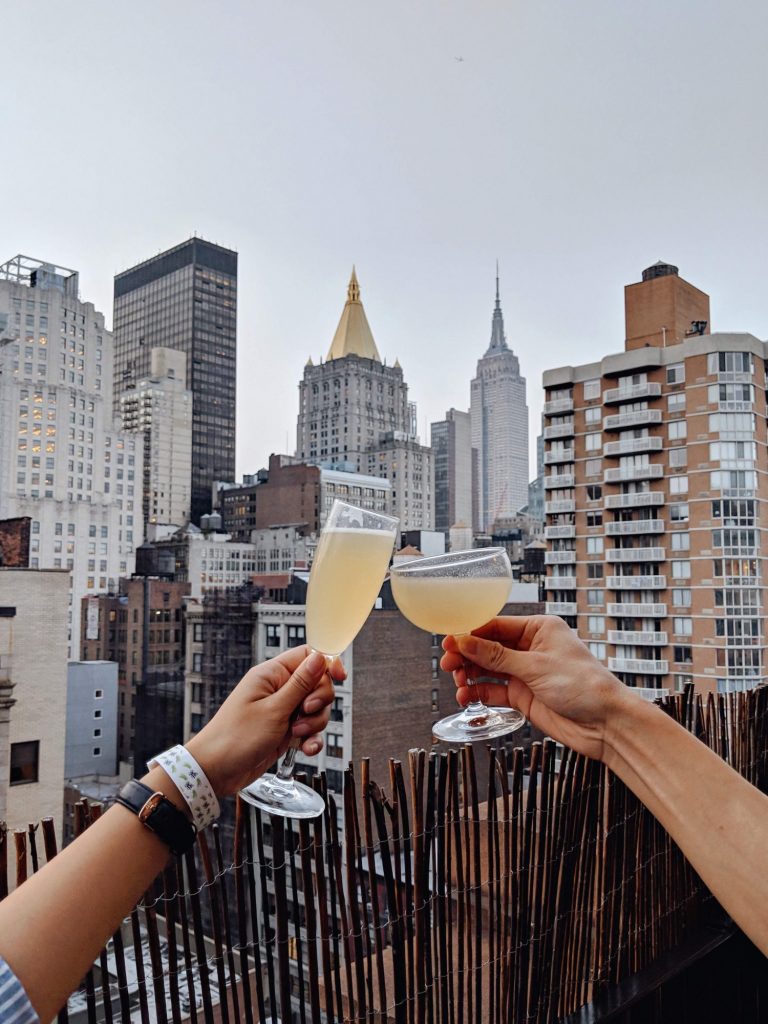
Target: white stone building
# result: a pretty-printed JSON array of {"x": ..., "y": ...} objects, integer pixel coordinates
[
  {"x": 33, "y": 695},
  {"x": 62, "y": 462},
  {"x": 499, "y": 427},
  {"x": 159, "y": 410},
  {"x": 215, "y": 562}
]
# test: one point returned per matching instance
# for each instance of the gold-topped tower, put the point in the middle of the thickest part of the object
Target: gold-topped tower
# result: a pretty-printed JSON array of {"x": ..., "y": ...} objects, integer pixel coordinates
[{"x": 353, "y": 336}]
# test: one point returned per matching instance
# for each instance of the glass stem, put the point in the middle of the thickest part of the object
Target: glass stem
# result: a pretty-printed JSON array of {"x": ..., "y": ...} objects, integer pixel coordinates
[
  {"x": 285, "y": 769},
  {"x": 475, "y": 706}
]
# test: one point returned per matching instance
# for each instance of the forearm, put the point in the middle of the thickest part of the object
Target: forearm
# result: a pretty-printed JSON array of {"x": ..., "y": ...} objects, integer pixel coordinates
[
  {"x": 717, "y": 818},
  {"x": 53, "y": 926}
]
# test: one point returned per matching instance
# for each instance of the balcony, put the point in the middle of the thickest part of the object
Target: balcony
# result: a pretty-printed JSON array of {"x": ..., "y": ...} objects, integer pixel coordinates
[
  {"x": 561, "y": 608},
  {"x": 558, "y": 406},
  {"x": 559, "y": 430},
  {"x": 639, "y": 499},
  {"x": 635, "y": 555},
  {"x": 635, "y": 527},
  {"x": 559, "y": 532},
  {"x": 628, "y": 610},
  {"x": 332, "y": 953},
  {"x": 639, "y": 665},
  {"x": 631, "y": 445},
  {"x": 637, "y": 418},
  {"x": 633, "y": 393},
  {"x": 622, "y": 474},
  {"x": 560, "y": 558},
  {"x": 563, "y": 480},
  {"x": 560, "y": 582},
  {"x": 636, "y": 582},
  {"x": 630, "y": 636},
  {"x": 564, "y": 455},
  {"x": 562, "y": 505},
  {"x": 735, "y": 406}
]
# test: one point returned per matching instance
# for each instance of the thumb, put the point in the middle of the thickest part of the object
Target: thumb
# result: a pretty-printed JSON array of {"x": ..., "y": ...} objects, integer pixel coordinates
[
  {"x": 303, "y": 681},
  {"x": 496, "y": 658}
]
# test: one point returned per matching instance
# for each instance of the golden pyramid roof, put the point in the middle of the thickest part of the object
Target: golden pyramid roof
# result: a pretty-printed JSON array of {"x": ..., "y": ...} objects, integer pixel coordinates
[{"x": 353, "y": 335}]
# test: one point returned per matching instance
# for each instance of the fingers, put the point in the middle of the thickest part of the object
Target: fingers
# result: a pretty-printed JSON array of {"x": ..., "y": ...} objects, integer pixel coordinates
[
  {"x": 494, "y": 657},
  {"x": 307, "y": 678},
  {"x": 488, "y": 693},
  {"x": 312, "y": 746},
  {"x": 308, "y": 725}
]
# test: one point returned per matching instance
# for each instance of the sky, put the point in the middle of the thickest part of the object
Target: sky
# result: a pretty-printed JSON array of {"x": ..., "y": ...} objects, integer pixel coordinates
[{"x": 577, "y": 142}]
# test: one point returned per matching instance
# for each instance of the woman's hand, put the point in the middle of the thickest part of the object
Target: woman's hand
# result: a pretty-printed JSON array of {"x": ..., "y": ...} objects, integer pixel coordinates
[
  {"x": 257, "y": 722},
  {"x": 546, "y": 672}
]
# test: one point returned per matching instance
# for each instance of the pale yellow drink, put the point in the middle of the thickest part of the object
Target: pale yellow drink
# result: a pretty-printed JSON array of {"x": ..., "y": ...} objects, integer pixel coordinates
[
  {"x": 449, "y": 604},
  {"x": 349, "y": 568}
]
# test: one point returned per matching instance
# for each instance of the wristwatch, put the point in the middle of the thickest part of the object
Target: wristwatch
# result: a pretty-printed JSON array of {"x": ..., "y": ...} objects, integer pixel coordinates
[{"x": 159, "y": 815}]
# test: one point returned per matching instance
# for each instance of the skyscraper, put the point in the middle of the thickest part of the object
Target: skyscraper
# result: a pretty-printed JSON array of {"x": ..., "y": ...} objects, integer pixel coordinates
[
  {"x": 499, "y": 427},
  {"x": 354, "y": 415},
  {"x": 455, "y": 471},
  {"x": 63, "y": 463},
  {"x": 656, "y": 494},
  {"x": 186, "y": 299}
]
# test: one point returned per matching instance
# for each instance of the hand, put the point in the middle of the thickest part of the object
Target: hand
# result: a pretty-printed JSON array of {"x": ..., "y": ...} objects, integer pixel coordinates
[
  {"x": 549, "y": 675},
  {"x": 256, "y": 723}
]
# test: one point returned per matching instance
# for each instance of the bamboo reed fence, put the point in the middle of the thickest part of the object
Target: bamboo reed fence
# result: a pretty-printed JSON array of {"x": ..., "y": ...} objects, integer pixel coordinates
[{"x": 435, "y": 903}]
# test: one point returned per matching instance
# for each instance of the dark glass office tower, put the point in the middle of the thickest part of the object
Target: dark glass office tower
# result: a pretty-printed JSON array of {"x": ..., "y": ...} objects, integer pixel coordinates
[{"x": 186, "y": 298}]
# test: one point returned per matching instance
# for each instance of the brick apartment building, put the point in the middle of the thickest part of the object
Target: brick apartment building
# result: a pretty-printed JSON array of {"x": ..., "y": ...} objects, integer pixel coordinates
[{"x": 656, "y": 493}]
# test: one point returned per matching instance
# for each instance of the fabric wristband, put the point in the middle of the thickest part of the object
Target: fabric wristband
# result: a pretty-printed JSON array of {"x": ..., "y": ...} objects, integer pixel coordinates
[{"x": 191, "y": 781}]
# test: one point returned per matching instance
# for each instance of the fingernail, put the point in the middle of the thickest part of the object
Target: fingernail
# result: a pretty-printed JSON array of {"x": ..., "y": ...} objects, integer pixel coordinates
[
  {"x": 312, "y": 704},
  {"x": 315, "y": 662},
  {"x": 301, "y": 729},
  {"x": 314, "y": 748}
]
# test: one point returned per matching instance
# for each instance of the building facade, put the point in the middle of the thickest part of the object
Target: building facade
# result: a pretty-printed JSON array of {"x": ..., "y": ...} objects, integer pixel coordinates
[
  {"x": 33, "y": 694},
  {"x": 499, "y": 427},
  {"x": 62, "y": 461},
  {"x": 355, "y": 416},
  {"x": 186, "y": 299},
  {"x": 455, "y": 471},
  {"x": 158, "y": 409},
  {"x": 656, "y": 488},
  {"x": 92, "y": 707}
]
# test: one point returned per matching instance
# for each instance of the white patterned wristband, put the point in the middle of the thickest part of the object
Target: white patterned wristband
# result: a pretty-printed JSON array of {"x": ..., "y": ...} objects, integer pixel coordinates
[{"x": 192, "y": 782}]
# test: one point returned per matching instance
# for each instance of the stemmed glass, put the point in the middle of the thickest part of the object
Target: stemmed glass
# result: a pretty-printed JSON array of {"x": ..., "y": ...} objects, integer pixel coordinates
[
  {"x": 350, "y": 564},
  {"x": 456, "y": 593}
]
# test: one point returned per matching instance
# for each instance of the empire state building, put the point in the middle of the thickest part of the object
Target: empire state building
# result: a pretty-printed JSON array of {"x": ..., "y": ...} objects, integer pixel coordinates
[{"x": 499, "y": 418}]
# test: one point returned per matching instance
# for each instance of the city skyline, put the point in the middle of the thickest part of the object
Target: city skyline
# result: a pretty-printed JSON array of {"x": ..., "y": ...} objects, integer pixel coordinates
[{"x": 574, "y": 144}]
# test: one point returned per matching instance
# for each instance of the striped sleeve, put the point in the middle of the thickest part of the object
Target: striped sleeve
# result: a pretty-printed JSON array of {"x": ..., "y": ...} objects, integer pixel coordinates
[{"x": 15, "y": 1007}]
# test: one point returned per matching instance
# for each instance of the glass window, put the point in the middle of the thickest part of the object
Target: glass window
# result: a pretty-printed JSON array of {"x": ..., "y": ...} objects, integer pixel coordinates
[
  {"x": 598, "y": 649},
  {"x": 683, "y": 655},
  {"x": 681, "y": 569},
  {"x": 591, "y": 389},
  {"x": 273, "y": 636},
  {"x": 595, "y": 570},
  {"x": 678, "y": 485},
  {"x": 593, "y": 415},
  {"x": 681, "y": 541},
  {"x": 676, "y": 402},
  {"x": 25, "y": 759},
  {"x": 682, "y": 626},
  {"x": 676, "y": 373},
  {"x": 594, "y": 492},
  {"x": 678, "y": 456},
  {"x": 681, "y": 597},
  {"x": 678, "y": 513},
  {"x": 595, "y": 624},
  {"x": 594, "y": 545},
  {"x": 592, "y": 467},
  {"x": 596, "y": 597},
  {"x": 592, "y": 442},
  {"x": 677, "y": 430}
]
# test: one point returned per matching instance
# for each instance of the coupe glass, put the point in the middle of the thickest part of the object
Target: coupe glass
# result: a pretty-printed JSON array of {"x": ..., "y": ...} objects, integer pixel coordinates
[
  {"x": 350, "y": 564},
  {"x": 456, "y": 593}
]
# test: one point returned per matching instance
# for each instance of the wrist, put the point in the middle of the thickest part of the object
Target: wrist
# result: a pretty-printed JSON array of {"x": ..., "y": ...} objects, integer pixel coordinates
[
  {"x": 628, "y": 716},
  {"x": 157, "y": 780}
]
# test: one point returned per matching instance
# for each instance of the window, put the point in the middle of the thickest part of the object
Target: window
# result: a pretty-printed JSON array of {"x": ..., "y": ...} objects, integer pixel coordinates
[
  {"x": 435, "y": 698},
  {"x": 595, "y": 570},
  {"x": 97, "y": 751},
  {"x": 682, "y": 626},
  {"x": 678, "y": 485},
  {"x": 682, "y": 681},
  {"x": 593, "y": 442},
  {"x": 593, "y": 415},
  {"x": 594, "y": 518},
  {"x": 681, "y": 570},
  {"x": 596, "y": 597},
  {"x": 196, "y": 722},
  {"x": 25, "y": 759},
  {"x": 676, "y": 402},
  {"x": 333, "y": 744},
  {"x": 591, "y": 389},
  {"x": 594, "y": 492},
  {"x": 683, "y": 655},
  {"x": 677, "y": 430},
  {"x": 592, "y": 467},
  {"x": 594, "y": 545},
  {"x": 678, "y": 513},
  {"x": 678, "y": 456},
  {"x": 729, "y": 362},
  {"x": 681, "y": 541},
  {"x": 296, "y": 636},
  {"x": 197, "y": 662},
  {"x": 98, "y": 694},
  {"x": 197, "y": 632},
  {"x": 598, "y": 649},
  {"x": 595, "y": 624},
  {"x": 273, "y": 636},
  {"x": 681, "y": 598},
  {"x": 97, "y": 713},
  {"x": 676, "y": 373},
  {"x": 337, "y": 709}
]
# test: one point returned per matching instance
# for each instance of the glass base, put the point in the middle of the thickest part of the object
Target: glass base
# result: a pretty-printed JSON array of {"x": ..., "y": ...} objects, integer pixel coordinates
[
  {"x": 285, "y": 797},
  {"x": 477, "y": 722}
]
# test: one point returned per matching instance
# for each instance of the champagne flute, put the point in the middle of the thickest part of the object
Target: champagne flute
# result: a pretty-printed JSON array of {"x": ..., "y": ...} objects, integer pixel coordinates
[
  {"x": 350, "y": 564},
  {"x": 456, "y": 593}
]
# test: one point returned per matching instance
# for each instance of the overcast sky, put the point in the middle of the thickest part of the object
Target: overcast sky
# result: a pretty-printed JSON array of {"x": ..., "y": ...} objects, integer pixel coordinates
[{"x": 576, "y": 140}]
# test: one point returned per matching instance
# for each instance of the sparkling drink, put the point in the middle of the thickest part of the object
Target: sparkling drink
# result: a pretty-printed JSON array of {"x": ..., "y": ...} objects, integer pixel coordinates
[
  {"x": 441, "y": 604},
  {"x": 347, "y": 574}
]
